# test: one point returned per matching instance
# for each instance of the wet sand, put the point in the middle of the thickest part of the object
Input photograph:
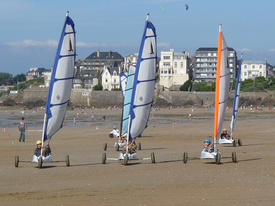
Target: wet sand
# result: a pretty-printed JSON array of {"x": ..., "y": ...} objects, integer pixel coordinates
[{"x": 250, "y": 181}]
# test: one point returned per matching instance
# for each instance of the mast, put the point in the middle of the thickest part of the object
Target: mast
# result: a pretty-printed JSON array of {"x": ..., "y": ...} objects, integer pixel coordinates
[{"x": 217, "y": 90}]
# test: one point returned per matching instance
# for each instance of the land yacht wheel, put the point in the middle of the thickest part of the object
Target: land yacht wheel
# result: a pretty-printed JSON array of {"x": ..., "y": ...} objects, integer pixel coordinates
[
  {"x": 126, "y": 159},
  {"x": 234, "y": 143},
  {"x": 185, "y": 155},
  {"x": 153, "y": 158},
  {"x": 16, "y": 161},
  {"x": 139, "y": 146},
  {"x": 240, "y": 142},
  {"x": 234, "y": 157},
  {"x": 67, "y": 159},
  {"x": 40, "y": 161},
  {"x": 103, "y": 158},
  {"x": 111, "y": 135},
  {"x": 218, "y": 158},
  {"x": 105, "y": 147},
  {"x": 117, "y": 147}
]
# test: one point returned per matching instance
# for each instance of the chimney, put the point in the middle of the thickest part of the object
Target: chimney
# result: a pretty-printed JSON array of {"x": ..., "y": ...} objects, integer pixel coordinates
[
  {"x": 110, "y": 54},
  {"x": 265, "y": 61},
  {"x": 97, "y": 53}
]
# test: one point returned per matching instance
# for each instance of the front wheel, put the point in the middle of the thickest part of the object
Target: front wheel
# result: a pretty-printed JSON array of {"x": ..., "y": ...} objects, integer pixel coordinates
[
  {"x": 126, "y": 159},
  {"x": 40, "y": 161},
  {"x": 185, "y": 155},
  {"x": 67, "y": 159},
  {"x": 234, "y": 143},
  {"x": 117, "y": 147},
  {"x": 139, "y": 146},
  {"x": 16, "y": 161}
]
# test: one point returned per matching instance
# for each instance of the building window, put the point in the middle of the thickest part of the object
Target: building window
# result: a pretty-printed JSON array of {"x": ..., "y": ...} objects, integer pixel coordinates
[
  {"x": 165, "y": 71},
  {"x": 209, "y": 54},
  {"x": 176, "y": 64},
  {"x": 106, "y": 80},
  {"x": 214, "y": 54},
  {"x": 176, "y": 71},
  {"x": 170, "y": 78},
  {"x": 161, "y": 71},
  {"x": 245, "y": 73},
  {"x": 166, "y": 57},
  {"x": 166, "y": 63},
  {"x": 245, "y": 66},
  {"x": 260, "y": 66},
  {"x": 253, "y": 66},
  {"x": 165, "y": 78},
  {"x": 261, "y": 74},
  {"x": 169, "y": 71},
  {"x": 114, "y": 80}
]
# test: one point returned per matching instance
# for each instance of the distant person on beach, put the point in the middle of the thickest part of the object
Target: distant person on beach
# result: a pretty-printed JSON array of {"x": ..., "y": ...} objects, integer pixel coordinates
[
  {"x": 22, "y": 126},
  {"x": 92, "y": 119},
  {"x": 104, "y": 118},
  {"x": 208, "y": 146},
  {"x": 224, "y": 134},
  {"x": 74, "y": 121}
]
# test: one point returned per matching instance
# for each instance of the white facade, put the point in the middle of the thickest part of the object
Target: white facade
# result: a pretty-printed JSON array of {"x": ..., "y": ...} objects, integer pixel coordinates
[
  {"x": 252, "y": 69},
  {"x": 173, "y": 68},
  {"x": 47, "y": 78},
  {"x": 110, "y": 78}
]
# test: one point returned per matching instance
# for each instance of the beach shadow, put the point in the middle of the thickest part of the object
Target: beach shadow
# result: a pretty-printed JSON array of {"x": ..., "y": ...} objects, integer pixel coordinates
[
  {"x": 248, "y": 160},
  {"x": 81, "y": 165},
  {"x": 167, "y": 161},
  {"x": 46, "y": 167},
  {"x": 153, "y": 149}
]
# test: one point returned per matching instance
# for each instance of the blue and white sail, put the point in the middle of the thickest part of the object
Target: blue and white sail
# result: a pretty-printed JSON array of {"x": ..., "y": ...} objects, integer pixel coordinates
[
  {"x": 123, "y": 81},
  {"x": 236, "y": 100},
  {"x": 127, "y": 99},
  {"x": 61, "y": 81},
  {"x": 144, "y": 82}
]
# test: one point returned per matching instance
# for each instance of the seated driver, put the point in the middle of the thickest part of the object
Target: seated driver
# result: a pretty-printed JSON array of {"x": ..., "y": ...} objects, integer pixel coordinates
[
  {"x": 115, "y": 132},
  {"x": 224, "y": 134},
  {"x": 208, "y": 146}
]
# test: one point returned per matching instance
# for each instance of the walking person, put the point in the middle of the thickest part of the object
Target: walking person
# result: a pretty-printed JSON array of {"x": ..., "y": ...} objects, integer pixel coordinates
[
  {"x": 104, "y": 118},
  {"x": 22, "y": 126}
]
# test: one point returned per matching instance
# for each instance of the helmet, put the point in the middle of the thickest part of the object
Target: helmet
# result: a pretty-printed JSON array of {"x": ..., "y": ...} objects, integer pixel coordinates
[
  {"x": 114, "y": 127},
  {"x": 207, "y": 140},
  {"x": 38, "y": 142}
]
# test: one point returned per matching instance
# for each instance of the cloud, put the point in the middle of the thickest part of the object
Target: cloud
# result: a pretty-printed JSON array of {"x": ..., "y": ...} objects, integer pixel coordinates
[
  {"x": 271, "y": 50},
  {"x": 245, "y": 50},
  {"x": 164, "y": 44},
  {"x": 32, "y": 43}
]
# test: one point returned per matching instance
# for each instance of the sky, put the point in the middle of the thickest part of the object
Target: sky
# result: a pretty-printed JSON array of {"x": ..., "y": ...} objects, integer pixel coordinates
[{"x": 30, "y": 29}]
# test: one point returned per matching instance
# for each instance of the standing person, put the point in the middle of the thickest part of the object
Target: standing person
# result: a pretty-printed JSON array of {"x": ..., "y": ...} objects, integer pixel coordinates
[
  {"x": 22, "y": 126},
  {"x": 92, "y": 119},
  {"x": 74, "y": 121},
  {"x": 104, "y": 118}
]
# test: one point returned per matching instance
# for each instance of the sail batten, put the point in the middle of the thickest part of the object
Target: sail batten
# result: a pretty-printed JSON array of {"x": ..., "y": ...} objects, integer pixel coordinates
[{"x": 61, "y": 81}]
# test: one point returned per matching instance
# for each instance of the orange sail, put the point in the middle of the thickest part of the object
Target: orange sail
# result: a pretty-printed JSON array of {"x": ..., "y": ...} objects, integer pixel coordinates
[{"x": 222, "y": 85}]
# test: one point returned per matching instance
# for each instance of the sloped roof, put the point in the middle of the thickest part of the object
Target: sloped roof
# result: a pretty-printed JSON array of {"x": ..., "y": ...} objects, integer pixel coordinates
[
  {"x": 105, "y": 55},
  {"x": 112, "y": 69},
  {"x": 212, "y": 49}
]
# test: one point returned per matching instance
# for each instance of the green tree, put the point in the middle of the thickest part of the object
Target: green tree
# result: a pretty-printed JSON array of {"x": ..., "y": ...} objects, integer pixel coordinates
[
  {"x": 98, "y": 87},
  {"x": 6, "y": 78},
  {"x": 186, "y": 85}
]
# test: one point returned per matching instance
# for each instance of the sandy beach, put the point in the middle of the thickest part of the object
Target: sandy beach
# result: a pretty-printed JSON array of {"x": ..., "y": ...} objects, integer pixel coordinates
[{"x": 250, "y": 181}]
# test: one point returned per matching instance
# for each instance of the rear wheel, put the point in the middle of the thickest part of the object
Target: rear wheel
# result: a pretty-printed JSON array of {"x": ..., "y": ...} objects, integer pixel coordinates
[
  {"x": 111, "y": 135},
  {"x": 40, "y": 162},
  {"x": 126, "y": 159},
  {"x": 105, "y": 147},
  {"x": 234, "y": 143},
  {"x": 234, "y": 157},
  {"x": 117, "y": 147},
  {"x": 153, "y": 160},
  {"x": 185, "y": 155},
  {"x": 218, "y": 158},
  {"x": 16, "y": 161},
  {"x": 139, "y": 146},
  {"x": 104, "y": 158},
  {"x": 67, "y": 159},
  {"x": 240, "y": 142}
]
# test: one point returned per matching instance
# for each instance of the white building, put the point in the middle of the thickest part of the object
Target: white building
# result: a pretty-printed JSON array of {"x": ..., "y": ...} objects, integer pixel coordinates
[
  {"x": 252, "y": 69},
  {"x": 132, "y": 59},
  {"x": 173, "y": 68},
  {"x": 110, "y": 78}
]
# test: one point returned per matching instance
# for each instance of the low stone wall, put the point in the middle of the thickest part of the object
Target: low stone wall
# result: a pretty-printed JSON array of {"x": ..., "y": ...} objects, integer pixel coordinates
[{"x": 173, "y": 98}]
